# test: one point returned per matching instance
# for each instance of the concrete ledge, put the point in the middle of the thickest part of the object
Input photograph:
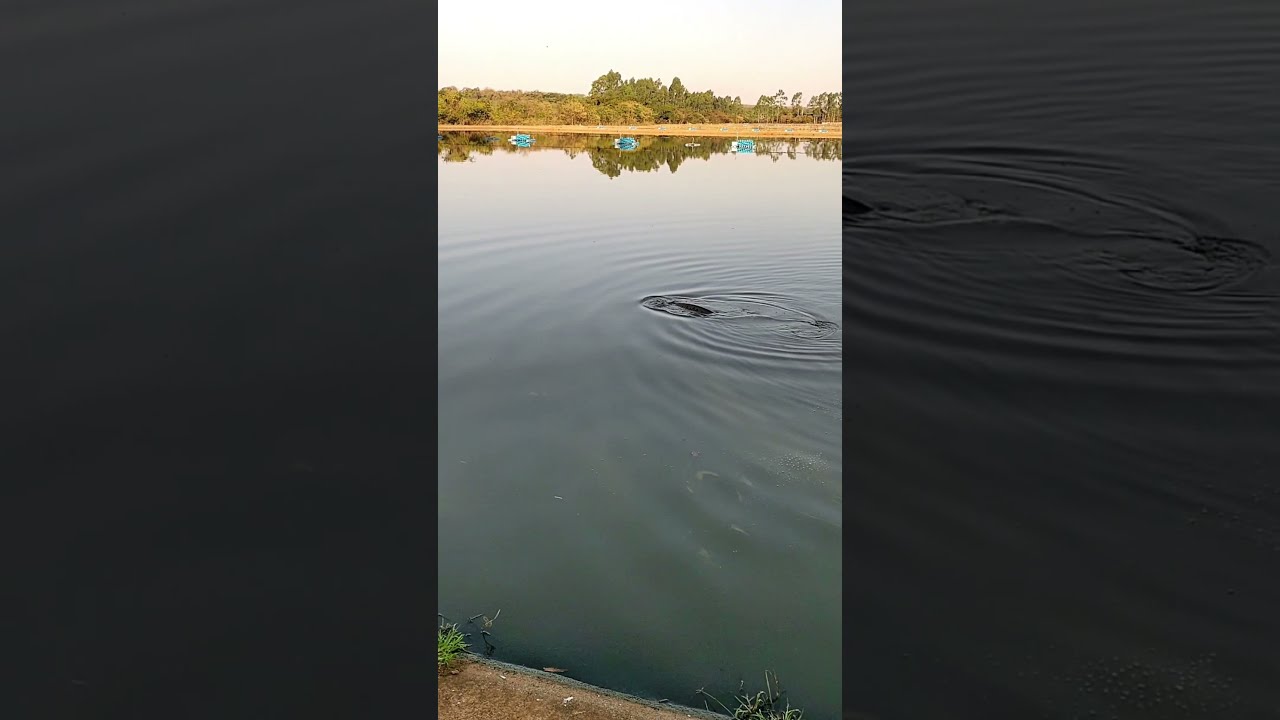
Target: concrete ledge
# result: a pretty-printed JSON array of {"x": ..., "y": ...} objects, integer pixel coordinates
[{"x": 479, "y": 688}]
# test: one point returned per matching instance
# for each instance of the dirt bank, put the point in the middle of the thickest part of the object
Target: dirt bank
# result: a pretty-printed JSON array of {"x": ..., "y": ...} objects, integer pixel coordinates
[
  {"x": 484, "y": 689},
  {"x": 700, "y": 130}
]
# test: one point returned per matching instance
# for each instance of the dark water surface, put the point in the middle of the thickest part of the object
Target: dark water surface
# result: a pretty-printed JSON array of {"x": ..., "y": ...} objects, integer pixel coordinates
[
  {"x": 214, "y": 325},
  {"x": 1063, "y": 336},
  {"x": 640, "y": 402}
]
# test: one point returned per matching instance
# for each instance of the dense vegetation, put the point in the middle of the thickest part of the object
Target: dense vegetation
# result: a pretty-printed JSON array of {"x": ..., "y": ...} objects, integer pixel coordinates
[{"x": 614, "y": 101}]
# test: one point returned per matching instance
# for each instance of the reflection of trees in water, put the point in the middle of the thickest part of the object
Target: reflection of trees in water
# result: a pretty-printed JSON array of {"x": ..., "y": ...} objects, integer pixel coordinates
[
  {"x": 654, "y": 153},
  {"x": 462, "y": 147}
]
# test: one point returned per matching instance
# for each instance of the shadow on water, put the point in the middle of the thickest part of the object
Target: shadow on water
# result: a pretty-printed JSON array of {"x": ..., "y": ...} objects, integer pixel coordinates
[{"x": 654, "y": 153}]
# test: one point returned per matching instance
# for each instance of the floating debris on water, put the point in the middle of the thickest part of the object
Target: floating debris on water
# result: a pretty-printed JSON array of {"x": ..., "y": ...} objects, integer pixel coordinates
[
  {"x": 703, "y": 474},
  {"x": 735, "y": 528}
]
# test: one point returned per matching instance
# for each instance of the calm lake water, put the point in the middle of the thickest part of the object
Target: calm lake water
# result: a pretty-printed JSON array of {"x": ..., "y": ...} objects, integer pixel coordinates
[
  {"x": 215, "y": 428},
  {"x": 1063, "y": 344},
  {"x": 651, "y": 496}
]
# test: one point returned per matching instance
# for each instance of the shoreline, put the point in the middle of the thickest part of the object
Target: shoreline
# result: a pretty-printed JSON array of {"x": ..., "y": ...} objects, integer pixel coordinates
[
  {"x": 479, "y": 688},
  {"x": 738, "y": 130}
]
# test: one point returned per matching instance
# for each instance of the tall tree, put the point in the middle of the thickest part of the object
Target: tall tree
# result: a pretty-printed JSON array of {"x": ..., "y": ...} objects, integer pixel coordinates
[{"x": 606, "y": 85}]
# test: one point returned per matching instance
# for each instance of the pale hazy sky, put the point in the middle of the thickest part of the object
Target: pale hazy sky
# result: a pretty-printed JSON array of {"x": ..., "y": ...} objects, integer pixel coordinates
[{"x": 749, "y": 48}]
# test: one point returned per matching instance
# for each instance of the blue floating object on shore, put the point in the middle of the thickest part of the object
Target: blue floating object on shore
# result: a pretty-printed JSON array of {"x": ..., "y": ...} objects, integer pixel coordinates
[
  {"x": 626, "y": 143},
  {"x": 522, "y": 140},
  {"x": 743, "y": 146}
]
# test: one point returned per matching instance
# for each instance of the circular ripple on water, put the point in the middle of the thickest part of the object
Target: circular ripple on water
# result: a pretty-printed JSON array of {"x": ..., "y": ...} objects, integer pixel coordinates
[
  {"x": 770, "y": 313},
  {"x": 1042, "y": 262},
  {"x": 749, "y": 337},
  {"x": 1066, "y": 201},
  {"x": 1196, "y": 264}
]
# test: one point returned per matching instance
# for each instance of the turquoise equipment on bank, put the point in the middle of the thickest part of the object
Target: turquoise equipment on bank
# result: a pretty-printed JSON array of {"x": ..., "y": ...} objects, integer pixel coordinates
[
  {"x": 522, "y": 140},
  {"x": 743, "y": 146},
  {"x": 626, "y": 143}
]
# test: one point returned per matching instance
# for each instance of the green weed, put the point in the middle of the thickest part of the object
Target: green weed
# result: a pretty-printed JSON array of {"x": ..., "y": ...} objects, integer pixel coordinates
[
  {"x": 449, "y": 645},
  {"x": 761, "y": 706}
]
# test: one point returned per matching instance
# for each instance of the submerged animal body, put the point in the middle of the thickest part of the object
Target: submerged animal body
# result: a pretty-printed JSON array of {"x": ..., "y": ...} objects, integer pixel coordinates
[
  {"x": 742, "y": 308},
  {"x": 695, "y": 309},
  {"x": 674, "y": 306}
]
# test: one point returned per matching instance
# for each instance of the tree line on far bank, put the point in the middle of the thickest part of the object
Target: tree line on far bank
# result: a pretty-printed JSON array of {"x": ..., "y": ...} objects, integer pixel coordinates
[{"x": 614, "y": 101}]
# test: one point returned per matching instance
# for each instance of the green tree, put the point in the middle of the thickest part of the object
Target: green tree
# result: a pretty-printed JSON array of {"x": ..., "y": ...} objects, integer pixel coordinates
[
  {"x": 576, "y": 112},
  {"x": 611, "y": 99},
  {"x": 606, "y": 85},
  {"x": 677, "y": 91}
]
